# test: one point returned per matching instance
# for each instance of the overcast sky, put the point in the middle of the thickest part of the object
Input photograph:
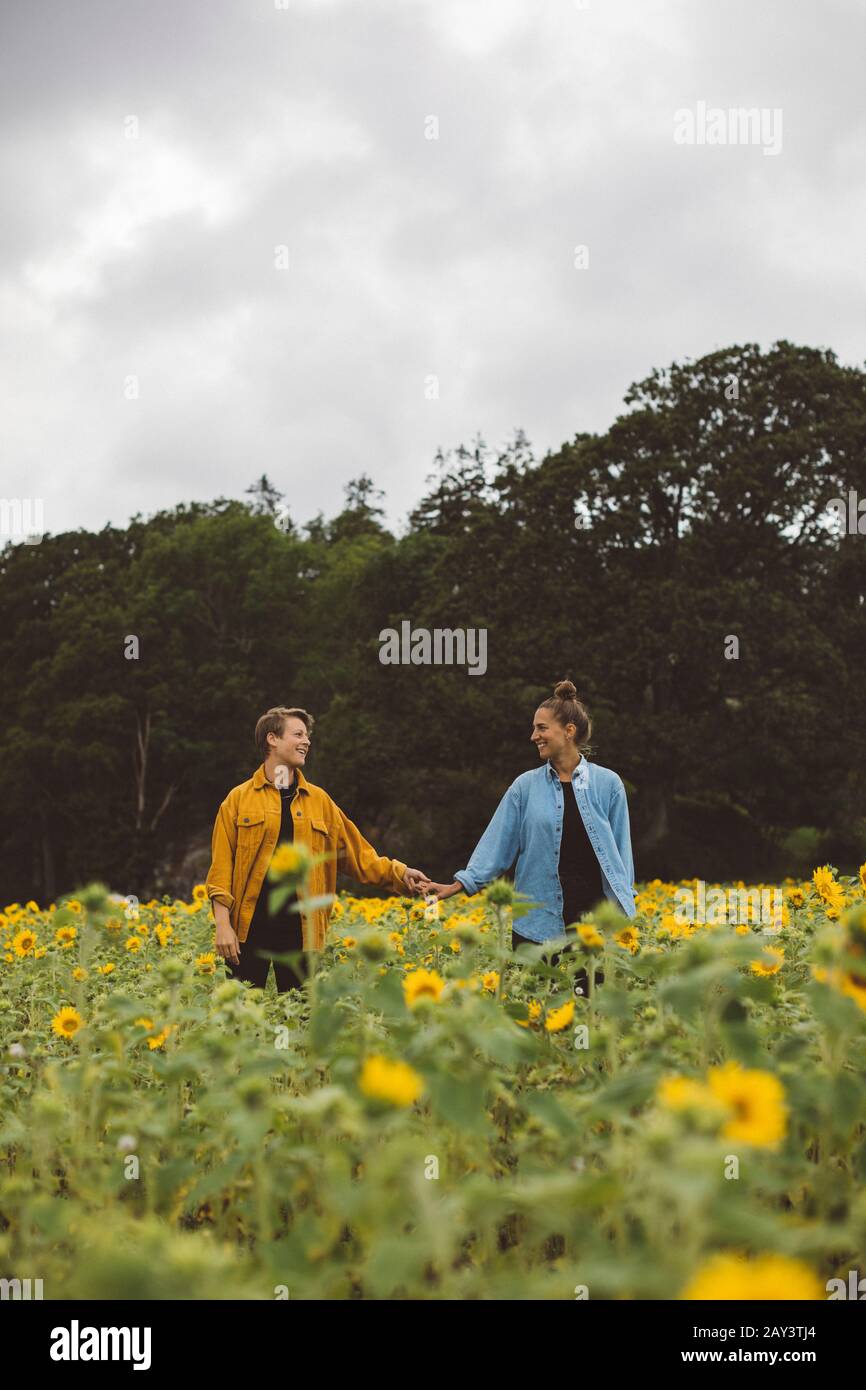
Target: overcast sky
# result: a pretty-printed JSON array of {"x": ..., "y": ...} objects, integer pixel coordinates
[{"x": 409, "y": 258}]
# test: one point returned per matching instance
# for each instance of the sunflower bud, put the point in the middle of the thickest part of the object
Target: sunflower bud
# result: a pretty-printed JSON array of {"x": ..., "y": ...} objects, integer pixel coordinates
[
  {"x": 500, "y": 893},
  {"x": 373, "y": 946}
]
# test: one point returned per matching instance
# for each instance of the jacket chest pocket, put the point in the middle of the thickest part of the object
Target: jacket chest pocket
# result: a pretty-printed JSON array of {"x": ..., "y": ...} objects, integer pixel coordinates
[
  {"x": 250, "y": 833},
  {"x": 322, "y": 836}
]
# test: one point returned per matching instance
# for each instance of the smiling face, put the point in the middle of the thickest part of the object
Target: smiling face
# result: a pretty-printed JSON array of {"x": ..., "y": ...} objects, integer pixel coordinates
[
  {"x": 551, "y": 738},
  {"x": 292, "y": 745}
]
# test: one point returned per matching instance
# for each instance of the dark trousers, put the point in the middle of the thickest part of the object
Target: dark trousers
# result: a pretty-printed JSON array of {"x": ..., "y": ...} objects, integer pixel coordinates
[
  {"x": 277, "y": 935},
  {"x": 581, "y": 979},
  {"x": 577, "y": 899}
]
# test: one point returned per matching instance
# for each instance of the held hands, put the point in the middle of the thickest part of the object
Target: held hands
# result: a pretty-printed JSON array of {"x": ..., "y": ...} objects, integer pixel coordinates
[
  {"x": 442, "y": 890},
  {"x": 446, "y": 890},
  {"x": 418, "y": 882}
]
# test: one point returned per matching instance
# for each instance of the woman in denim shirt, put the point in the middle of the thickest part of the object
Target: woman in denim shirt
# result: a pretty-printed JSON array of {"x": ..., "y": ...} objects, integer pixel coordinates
[{"x": 565, "y": 823}]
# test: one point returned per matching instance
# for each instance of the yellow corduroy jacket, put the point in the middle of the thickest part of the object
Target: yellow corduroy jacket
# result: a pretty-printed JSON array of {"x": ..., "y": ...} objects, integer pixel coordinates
[{"x": 245, "y": 836}]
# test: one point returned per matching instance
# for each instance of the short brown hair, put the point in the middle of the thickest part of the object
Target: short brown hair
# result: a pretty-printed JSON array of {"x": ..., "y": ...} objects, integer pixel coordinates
[
  {"x": 567, "y": 709},
  {"x": 273, "y": 722}
]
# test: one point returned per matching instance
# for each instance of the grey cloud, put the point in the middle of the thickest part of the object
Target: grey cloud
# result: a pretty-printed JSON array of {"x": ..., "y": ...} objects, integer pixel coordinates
[{"x": 408, "y": 256}]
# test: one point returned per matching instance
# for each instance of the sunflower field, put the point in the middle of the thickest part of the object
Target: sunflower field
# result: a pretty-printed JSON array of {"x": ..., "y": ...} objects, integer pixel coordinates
[{"x": 434, "y": 1116}]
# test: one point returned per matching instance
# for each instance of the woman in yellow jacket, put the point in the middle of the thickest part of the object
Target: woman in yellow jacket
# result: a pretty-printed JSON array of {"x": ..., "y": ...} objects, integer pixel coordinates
[{"x": 278, "y": 804}]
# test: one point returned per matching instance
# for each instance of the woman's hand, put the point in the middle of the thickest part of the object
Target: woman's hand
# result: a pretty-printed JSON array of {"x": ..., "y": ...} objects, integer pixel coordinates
[{"x": 444, "y": 890}]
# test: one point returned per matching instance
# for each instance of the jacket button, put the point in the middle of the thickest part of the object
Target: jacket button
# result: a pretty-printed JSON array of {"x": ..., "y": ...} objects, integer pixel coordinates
[{"x": 246, "y": 820}]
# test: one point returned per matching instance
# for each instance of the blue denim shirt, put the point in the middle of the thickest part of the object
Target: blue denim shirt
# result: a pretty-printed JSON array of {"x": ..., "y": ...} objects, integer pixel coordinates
[{"x": 527, "y": 826}]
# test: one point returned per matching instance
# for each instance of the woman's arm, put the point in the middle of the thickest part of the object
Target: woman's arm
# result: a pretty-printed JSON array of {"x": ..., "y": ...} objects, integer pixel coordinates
[
  {"x": 495, "y": 852},
  {"x": 619, "y": 824}
]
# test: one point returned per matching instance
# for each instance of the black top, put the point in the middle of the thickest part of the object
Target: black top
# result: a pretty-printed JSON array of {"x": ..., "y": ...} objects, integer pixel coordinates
[
  {"x": 289, "y": 910},
  {"x": 579, "y": 871}
]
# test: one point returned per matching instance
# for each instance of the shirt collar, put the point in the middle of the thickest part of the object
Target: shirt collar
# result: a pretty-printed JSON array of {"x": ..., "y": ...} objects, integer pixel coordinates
[
  {"x": 579, "y": 777},
  {"x": 260, "y": 780}
]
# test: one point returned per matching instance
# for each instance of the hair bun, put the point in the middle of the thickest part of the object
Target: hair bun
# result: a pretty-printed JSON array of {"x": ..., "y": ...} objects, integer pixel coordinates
[{"x": 565, "y": 690}]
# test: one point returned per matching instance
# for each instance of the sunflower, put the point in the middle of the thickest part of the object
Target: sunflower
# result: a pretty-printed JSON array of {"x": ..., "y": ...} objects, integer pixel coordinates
[
  {"x": 79, "y": 973},
  {"x": 67, "y": 1022},
  {"x": 825, "y": 884},
  {"x": 533, "y": 1013},
  {"x": 590, "y": 936},
  {"x": 394, "y": 1082},
  {"x": 24, "y": 942},
  {"x": 134, "y": 943},
  {"x": 771, "y": 964},
  {"x": 560, "y": 1018},
  {"x": 675, "y": 926},
  {"x": 290, "y": 862},
  {"x": 106, "y": 969},
  {"x": 853, "y": 986},
  {"x": 684, "y": 1093},
  {"x": 159, "y": 1038},
  {"x": 422, "y": 984},
  {"x": 490, "y": 981},
  {"x": 200, "y": 893},
  {"x": 66, "y": 936},
  {"x": 756, "y": 1102},
  {"x": 852, "y": 982},
  {"x": 627, "y": 937},
  {"x": 767, "y": 1277},
  {"x": 206, "y": 963}
]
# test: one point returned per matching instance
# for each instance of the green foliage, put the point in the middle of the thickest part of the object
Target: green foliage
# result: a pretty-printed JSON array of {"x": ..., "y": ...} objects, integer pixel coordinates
[{"x": 424, "y": 1120}]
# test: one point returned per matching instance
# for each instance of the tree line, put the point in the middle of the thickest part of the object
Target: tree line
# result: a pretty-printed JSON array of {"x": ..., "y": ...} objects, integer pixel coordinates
[{"x": 682, "y": 568}]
